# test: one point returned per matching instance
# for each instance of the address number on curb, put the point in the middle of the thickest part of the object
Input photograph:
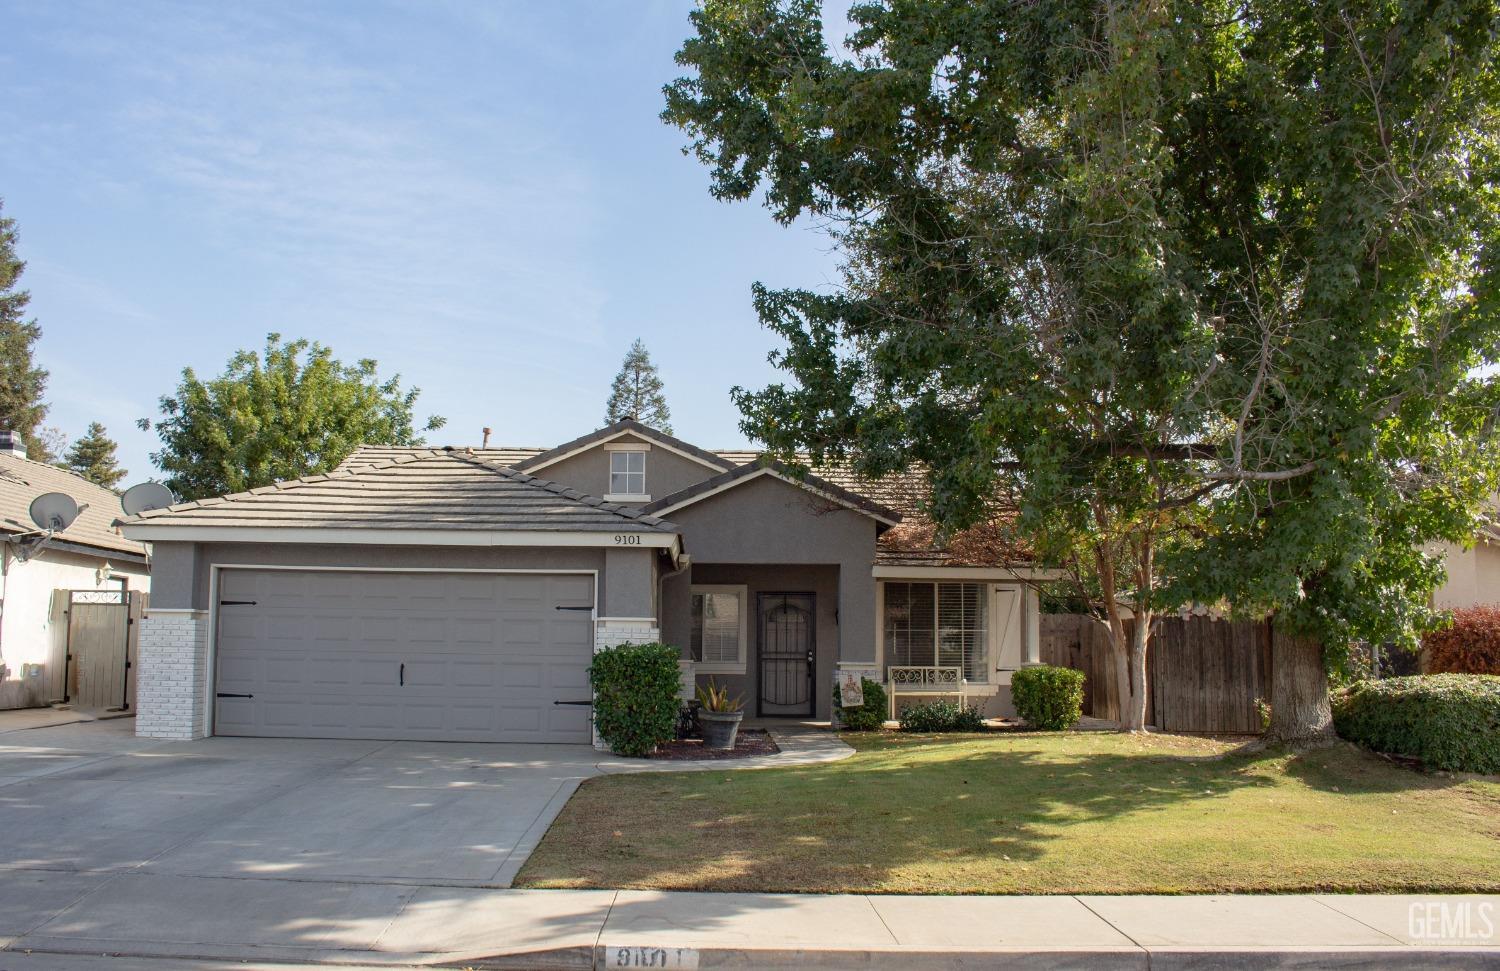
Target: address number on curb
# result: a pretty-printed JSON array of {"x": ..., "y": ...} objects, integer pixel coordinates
[
  {"x": 627, "y": 539},
  {"x": 650, "y": 957}
]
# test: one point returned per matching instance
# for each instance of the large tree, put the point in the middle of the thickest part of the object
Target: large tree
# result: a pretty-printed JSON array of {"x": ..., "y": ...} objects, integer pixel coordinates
[
  {"x": 22, "y": 383},
  {"x": 1191, "y": 294},
  {"x": 637, "y": 392},
  {"x": 290, "y": 411},
  {"x": 93, "y": 457}
]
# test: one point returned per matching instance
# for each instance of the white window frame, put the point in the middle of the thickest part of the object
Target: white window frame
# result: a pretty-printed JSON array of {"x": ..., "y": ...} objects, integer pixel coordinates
[
  {"x": 742, "y": 592},
  {"x": 612, "y": 496},
  {"x": 990, "y": 641}
]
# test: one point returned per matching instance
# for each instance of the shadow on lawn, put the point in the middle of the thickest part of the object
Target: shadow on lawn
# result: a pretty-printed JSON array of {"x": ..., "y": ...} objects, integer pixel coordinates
[{"x": 818, "y": 827}]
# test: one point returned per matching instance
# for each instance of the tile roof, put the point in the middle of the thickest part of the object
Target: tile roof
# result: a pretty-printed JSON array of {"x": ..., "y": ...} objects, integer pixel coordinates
[
  {"x": 22, "y": 480},
  {"x": 429, "y": 489},
  {"x": 633, "y": 427},
  {"x": 749, "y": 469}
]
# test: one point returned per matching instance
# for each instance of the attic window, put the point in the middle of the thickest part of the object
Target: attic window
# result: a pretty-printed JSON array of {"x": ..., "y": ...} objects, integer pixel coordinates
[{"x": 627, "y": 475}]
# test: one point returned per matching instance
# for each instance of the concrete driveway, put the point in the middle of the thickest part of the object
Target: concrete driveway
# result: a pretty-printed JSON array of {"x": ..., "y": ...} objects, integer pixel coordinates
[{"x": 93, "y": 798}]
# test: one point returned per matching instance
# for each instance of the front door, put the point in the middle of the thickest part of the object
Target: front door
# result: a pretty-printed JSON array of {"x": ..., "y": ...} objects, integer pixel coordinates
[{"x": 788, "y": 645}]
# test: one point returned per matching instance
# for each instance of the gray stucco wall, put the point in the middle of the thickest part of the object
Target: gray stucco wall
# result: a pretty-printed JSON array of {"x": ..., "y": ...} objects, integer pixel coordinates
[
  {"x": 821, "y": 581},
  {"x": 588, "y": 472},
  {"x": 771, "y": 522},
  {"x": 181, "y": 570}
]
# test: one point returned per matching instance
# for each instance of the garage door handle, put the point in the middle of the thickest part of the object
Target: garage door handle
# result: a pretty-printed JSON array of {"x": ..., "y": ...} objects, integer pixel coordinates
[
  {"x": 403, "y": 675},
  {"x": 589, "y": 703},
  {"x": 226, "y": 694}
]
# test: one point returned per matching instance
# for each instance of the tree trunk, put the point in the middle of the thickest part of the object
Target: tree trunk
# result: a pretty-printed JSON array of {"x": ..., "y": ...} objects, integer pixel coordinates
[
  {"x": 1300, "y": 713},
  {"x": 1134, "y": 718}
]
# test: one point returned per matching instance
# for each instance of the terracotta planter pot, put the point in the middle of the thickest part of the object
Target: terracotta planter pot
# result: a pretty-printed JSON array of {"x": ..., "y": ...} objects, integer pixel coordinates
[{"x": 720, "y": 727}]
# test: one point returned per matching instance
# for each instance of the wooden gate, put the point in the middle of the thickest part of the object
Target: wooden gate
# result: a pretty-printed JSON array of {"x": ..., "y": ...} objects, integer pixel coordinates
[{"x": 100, "y": 647}]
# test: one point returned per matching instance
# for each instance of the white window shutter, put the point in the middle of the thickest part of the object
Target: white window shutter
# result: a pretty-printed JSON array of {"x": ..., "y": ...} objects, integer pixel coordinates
[{"x": 1007, "y": 629}]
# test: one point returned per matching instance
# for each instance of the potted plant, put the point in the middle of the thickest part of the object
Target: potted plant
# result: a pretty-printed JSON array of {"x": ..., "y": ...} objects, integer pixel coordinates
[{"x": 719, "y": 716}]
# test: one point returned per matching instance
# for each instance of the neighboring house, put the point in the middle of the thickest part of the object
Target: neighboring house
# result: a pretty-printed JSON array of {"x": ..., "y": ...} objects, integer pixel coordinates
[
  {"x": 1473, "y": 573},
  {"x": 459, "y": 594},
  {"x": 90, "y": 555}
]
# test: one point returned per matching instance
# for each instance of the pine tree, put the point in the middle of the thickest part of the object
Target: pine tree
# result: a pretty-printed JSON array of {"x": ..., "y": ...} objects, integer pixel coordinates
[
  {"x": 93, "y": 457},
  {"x": 637, "y": 392},
  {"x": 22, "y": 383}
]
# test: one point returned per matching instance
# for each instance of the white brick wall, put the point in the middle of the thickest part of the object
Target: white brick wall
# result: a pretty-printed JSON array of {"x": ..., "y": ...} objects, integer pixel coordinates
[{"x": 171, "y": 675}]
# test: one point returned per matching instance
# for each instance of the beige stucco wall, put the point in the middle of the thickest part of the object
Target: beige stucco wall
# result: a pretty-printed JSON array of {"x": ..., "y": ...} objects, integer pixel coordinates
[
  {"x": 1473, "y": 576},
  {"x": 32, "y": 626}
]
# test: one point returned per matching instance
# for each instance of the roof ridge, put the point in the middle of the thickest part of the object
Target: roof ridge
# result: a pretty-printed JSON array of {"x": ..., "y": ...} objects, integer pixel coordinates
[{"x": 58, "y": 469}]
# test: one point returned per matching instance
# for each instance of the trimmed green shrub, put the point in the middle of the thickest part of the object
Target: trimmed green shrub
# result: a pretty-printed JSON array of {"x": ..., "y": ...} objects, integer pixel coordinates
[
  {"x": 1449, "y": 721},
  {"x": 635, "y": 696},
  {"x": 1049, "y": 698},
  {"x": 941, "y": 716},
  {"x": 869, "y": 716}
]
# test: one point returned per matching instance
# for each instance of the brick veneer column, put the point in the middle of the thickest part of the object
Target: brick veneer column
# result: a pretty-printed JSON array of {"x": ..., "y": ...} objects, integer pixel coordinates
[{"x": 171, "y": 675}]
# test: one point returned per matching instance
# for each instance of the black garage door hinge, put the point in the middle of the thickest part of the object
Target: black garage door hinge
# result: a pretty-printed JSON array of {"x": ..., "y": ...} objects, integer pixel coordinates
[
  {"x": 561, "y": 607},
  {"x": 589, "y": 703},
  {"x": 226, "y": 694},
  {"x": 236, "y": 603}
]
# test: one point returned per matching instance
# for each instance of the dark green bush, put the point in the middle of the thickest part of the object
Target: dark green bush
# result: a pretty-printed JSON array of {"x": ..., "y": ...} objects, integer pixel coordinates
[
  {"x": 1449, "y": 721},
  {"x": 941, "y": 716},
  {"x": 869, "y": 716},
  {"x": 635, "y": 696},
  {"x": 1049, "y": 698}
]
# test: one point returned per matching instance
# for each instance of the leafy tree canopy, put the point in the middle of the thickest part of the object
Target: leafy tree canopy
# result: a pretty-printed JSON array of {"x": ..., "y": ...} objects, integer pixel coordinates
[
  {"x": 93, "y": 457},
  {"x": 1229, "y": 262},
  {"x": 637, "y": 392},
  {"x": 290, "y": 411},
  {"x": 22, "y": 383}
]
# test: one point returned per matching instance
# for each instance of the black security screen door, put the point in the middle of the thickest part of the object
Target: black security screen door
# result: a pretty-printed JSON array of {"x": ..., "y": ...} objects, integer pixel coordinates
[{"x": 788, "y": 644}]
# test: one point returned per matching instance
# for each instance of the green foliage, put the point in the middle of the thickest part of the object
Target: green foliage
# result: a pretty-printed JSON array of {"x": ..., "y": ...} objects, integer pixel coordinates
[
  {"x": 1449, "y": 721},
  {"x": 635, "y": 696},
  {"x": 637, "y": 392},
  {"x": 1049, "y": 698},
  {"x": 1161, "y": 276},
  {"x": 22, "y": 383},
  {"x": 868, "y": 717},
  {"x": 93, "y": 457},
  {"x": 1468, "y": 644},
  {"x": 941, "y": 716},
  {"x": 291, "y": 411},
  {"x": 714, "y": 697}
]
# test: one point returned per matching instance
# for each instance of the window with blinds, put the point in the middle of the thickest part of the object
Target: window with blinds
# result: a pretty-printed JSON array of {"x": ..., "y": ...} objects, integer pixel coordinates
[
  {"x": 718, "y": 633},
  {"x": 938, "y": 625}
]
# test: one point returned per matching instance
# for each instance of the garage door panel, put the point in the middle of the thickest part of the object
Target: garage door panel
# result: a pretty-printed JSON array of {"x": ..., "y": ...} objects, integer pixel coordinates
[{"x": 485, "y": 656}]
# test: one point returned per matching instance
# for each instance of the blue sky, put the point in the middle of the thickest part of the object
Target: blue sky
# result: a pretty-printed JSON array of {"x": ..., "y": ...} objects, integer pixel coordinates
[{"x": 479, "y": 195}]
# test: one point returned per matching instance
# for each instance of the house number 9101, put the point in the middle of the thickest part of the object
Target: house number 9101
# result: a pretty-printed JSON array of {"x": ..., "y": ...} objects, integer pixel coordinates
[
  {"x": 653, "y": 957},
  {"x": 627, "y": 539}
]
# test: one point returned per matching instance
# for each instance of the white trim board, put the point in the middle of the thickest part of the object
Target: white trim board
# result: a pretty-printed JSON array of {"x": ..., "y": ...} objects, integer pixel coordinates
[
  {"x": 533, "y": 469},
  {"x": 767, "y": 470},
  {"x": 405, "y": 537},
  {"x": 999, "y": 574}
]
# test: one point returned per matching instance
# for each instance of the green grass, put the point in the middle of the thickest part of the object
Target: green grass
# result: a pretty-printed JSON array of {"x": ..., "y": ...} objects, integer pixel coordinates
[{"x": 1034, "y": 813}]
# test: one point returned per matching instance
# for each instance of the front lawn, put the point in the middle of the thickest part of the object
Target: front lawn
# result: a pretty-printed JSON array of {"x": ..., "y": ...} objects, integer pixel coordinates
[{"x": 1033, "y": 813}]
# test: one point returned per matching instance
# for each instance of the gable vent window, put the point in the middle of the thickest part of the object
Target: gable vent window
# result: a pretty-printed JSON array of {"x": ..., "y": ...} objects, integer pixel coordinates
[{"x": 627, "y": 474}]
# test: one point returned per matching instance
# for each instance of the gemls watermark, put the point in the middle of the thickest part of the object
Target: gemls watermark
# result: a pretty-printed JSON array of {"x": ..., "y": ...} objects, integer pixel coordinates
[{"x": 1452, "y": 920}]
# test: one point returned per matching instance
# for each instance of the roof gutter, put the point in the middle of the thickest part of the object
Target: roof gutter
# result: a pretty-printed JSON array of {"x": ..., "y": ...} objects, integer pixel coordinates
[{"x": 621, "y": 539}]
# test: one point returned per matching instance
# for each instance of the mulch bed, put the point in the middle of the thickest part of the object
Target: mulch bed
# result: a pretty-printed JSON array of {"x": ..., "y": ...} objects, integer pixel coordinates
[{"x": 751, "y": 741}]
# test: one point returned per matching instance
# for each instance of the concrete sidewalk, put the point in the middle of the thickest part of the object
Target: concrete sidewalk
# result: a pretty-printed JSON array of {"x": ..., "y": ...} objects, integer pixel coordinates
[{"x": 204, "y": 922}]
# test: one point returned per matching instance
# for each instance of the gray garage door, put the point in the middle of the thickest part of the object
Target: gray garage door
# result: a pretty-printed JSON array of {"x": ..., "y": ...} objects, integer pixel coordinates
[{"x": 468, "y": 657}]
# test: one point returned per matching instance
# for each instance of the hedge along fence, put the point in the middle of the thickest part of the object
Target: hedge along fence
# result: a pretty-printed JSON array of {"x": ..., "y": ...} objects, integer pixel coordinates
[
  {"x": 635, "y": 697},
  {"x": 1469, "y": 645}
]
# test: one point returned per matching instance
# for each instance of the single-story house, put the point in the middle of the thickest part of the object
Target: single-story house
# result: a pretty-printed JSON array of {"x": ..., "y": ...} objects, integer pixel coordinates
[
  {"x": 36, "y": 577},
  {"x": 459, "y": 594},
  {"x": 1473, "y": 571}
]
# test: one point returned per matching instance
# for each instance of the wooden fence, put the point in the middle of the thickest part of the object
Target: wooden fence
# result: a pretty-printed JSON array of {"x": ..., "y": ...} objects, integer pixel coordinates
[{"x": 1204, "y": 674}]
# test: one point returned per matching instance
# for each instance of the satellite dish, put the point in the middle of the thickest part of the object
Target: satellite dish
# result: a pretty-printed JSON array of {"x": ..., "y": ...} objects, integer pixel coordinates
[
  {"x": 146, "y": 496},
  {"x": 54, "y": 511}
]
